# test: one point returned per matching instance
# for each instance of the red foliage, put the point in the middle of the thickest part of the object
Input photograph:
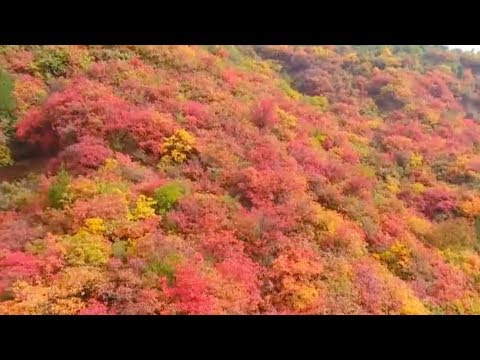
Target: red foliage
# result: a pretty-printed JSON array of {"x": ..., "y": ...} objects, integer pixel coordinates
[
  {"x": 201, "y": 215},
  {"x": 450, "y": 284},
  {"x": 264, "y": 115},
  {"x": 195, "y": 109},
  {"x": 268, "y": 186},
  {"x": 392, "y": 224},
  {"x": 373, "y": 293},
  {"x": 190, "y": 294},
  {"x": 438, "y": 201},
  {"x": 242, "y": 269},
  {"x": 18, "y": 266},
  {"x": 231, "y": 77},
  {"x": 87, "y": 108},
  {"x": 348, "y": 238},
  {"x": 149, "y": 185},
  {"x": 295, "y": 270},
  {"x": 358, "y": 185},
  {"x": 441, "y": 283},
  {"x": 94, "y": 307},
  {"x": 222, "y": 245},
  {"x": 107, "y": 207},
  {"x": 34, "y": 130},
  {"x": 137, "y": 229},
  {"x": 89, "y": 153},
  {"x": 20, "y": 60},
  {"x": 379, "y": 80},
  {"x": 15, "y": 233},
  {"x": 147, "y": 302}
]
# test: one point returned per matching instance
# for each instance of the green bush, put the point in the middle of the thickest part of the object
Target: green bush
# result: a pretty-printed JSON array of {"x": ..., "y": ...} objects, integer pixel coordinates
[
  {"x": 168, "y": 195},
  {"x": 84, "y": 248},
  {"x": 7, "y": 101},
  {"x": 106, "y": 54},
  {"x": 369, "y": 108},
  {"x": 107, "y": 188},
  {"x": 58, "y": 194},
  {"x": 235, "y": 54},
  {"x": 5, "y": 156},
  {"x": 14, "y": 195},
  {"x": 286, "y": 86},
  {"x": 319, "y": 101},
  {"x": 452, "y": 234},
  {"x": 36, "y": 247},
  {"x": 164, "y": 267},
  {"x": 52, "y": 62},
  {"x": 119, "y": 249}
]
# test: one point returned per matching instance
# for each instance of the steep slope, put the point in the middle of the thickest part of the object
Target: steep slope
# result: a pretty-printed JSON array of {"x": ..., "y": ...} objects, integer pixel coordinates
[{"x": 239, "y": 180}]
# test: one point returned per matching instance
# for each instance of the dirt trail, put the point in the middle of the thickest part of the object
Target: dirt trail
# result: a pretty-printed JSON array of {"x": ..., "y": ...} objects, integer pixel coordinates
[{"x": 22, "y": 168}]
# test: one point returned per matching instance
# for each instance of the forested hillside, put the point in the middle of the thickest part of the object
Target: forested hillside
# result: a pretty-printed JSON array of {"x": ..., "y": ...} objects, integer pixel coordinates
[{"x": 239, "y": 180}]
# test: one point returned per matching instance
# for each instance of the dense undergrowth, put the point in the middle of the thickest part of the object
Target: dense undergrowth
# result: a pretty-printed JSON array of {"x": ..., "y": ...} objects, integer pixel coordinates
[{"x": 240, "y": 180}]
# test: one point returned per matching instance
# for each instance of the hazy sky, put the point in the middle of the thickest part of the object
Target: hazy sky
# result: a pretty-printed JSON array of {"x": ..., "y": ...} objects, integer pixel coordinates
[{"x": 465, "y": 47}]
